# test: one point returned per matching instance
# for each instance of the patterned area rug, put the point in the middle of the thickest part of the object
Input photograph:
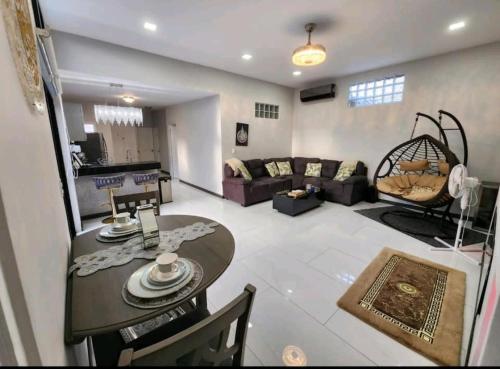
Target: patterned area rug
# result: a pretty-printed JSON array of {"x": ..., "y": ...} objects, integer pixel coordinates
[{"x": 415, "y": 301}]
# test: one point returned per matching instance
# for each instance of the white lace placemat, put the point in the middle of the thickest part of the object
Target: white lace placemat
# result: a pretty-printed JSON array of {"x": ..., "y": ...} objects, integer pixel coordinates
[{"x": 170, "y": 241}]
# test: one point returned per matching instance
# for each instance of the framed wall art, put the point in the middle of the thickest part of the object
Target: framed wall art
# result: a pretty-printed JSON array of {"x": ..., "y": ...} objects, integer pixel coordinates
[{"x": 241, "y": 134}]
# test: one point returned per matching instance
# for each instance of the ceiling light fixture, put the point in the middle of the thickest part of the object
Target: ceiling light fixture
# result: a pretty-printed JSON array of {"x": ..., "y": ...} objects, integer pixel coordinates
[
  {"x": 150, "y": 26},
  {"x": 128, "y": 99},
  {"x": 297, "y": 73},
  {"x": 246, "y": 56},
  {"x": 457, "y": 25},
  {"x": 309, "y": 54}
]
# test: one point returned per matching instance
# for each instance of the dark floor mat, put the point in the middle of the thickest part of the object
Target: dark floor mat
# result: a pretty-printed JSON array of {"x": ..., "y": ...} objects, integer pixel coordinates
[{"x": 429, "y": 224}]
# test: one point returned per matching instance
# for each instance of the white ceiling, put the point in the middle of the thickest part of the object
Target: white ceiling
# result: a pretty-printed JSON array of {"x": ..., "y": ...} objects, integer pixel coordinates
[
  {"x": 93, "y": 89},
  {"x": 358, "y": 34}
]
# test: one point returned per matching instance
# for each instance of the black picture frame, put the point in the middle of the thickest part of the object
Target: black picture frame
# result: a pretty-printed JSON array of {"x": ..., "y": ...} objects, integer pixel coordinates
[{"x": 241, "y": 136}]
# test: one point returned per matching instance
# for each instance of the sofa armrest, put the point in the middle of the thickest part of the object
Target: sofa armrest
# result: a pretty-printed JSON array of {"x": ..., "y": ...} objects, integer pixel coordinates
[
  {"x": 355, "y": 180},
  {"x": 236, "y": 181}
]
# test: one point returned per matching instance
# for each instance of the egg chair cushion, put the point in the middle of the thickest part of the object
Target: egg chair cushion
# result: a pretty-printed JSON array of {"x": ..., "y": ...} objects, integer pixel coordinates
[{"x": 412, "y": 187}]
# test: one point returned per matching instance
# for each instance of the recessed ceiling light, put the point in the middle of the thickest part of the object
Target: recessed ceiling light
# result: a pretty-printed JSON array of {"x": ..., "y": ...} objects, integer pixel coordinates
[
  {"x": 297, "y": 73},
  {"x": 150, "y": 26},
  {"x": 457, "y": 25},
  {"x": 246, "y": 56},
  {"x": 128, "y": 99}
]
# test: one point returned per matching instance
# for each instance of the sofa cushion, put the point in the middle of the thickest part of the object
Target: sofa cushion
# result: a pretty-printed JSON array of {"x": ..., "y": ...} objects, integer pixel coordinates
[
  {"x": 313, "y": 181},
  {"x": 313, "y": 170},
  {"x": 285, "y": 168},
  {"x": 299, "y": 164},
  {"x": 329, "y": 168},
  {"x": 255, "y": 167},
  {"x": 297, "y": 180},
  {"x": 245, "y": 173},
  {"x": 272, "y": 169},
  {"x": 273, "y": 185},
  {"x": 347, "y": 169}
]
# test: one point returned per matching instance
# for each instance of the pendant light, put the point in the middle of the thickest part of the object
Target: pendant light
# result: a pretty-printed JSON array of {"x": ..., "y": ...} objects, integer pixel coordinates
[{"x": 309, "y": 54}]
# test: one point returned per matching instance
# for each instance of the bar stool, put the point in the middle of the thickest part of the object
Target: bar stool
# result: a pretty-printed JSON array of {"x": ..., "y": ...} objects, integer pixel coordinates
[
  {"x": 109, "y": 183},
  {"x": 145, "y": 179}
]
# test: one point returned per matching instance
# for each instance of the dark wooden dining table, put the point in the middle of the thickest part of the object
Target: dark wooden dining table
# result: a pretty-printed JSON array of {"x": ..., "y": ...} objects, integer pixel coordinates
[{"x": 94, "y": 304}]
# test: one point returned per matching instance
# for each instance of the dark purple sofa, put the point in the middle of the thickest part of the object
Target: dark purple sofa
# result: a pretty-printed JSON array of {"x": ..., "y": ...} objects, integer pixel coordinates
[{"x": 262, "y": 186}]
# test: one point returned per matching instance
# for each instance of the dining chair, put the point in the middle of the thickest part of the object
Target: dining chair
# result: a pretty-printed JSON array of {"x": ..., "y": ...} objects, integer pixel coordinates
[
  {"x": 203, "y": 344},
  {"x": 131, "y": 201}
]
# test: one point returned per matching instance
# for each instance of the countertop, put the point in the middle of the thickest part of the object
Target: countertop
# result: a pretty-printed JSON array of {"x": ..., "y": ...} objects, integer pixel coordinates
[{"x": 96, "y": 169}]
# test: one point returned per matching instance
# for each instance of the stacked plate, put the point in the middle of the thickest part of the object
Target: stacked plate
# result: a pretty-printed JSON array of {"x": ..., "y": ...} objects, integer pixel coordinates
[
  {"x": 149, "y": 283},
  {"x": 119, "y": 231}
]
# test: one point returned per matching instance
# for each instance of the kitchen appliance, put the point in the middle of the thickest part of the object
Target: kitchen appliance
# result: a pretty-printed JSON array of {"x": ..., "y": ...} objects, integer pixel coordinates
[{"x": 94, "y": 148}]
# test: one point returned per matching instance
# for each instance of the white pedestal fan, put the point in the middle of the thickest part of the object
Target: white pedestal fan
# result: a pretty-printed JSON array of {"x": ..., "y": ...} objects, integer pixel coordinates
[{"x": 460, "y": 185}]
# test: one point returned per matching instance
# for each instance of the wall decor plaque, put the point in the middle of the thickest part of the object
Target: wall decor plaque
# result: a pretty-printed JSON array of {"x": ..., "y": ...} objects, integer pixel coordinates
[
  {"x": 22, "y": 41},
  {"x": 241, "y": 134}
]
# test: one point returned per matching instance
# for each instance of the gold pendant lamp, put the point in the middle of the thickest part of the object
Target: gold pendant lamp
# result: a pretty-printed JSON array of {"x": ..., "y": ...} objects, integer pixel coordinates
[{"x": 309, "y": 54}]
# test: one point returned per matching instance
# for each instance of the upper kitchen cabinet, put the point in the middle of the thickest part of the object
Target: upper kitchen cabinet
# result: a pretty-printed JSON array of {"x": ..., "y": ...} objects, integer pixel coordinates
[{"x": 73, "y": 113}]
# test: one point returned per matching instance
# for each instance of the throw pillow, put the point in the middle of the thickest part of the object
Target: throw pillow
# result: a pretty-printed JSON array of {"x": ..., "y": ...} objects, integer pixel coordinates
[
  {"x": 444, "y": 167},
  {"x": 244, "y": 172},
  {"x": 346, "y": 170},
  {"x": 313, "y": 170},
  {"x": 234, "y": 163},
  {"x": 272, "y": 169},
  {"x": 414, "y": 166},
  {"x": 284, "y": 168}
]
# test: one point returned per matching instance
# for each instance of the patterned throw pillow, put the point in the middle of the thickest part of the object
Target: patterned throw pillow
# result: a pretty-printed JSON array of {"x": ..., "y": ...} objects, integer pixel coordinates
[
  {"x": 272, "y": 169},
  {"x": 284, "y": 168},
  {"x": 313, "y": 170},
  {"x": 346, "y": 170},
  {"x": 244, "y": 172}
]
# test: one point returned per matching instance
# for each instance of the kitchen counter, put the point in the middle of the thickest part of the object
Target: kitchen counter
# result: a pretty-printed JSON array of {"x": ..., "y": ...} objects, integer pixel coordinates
[
  {"x": 91, "y": 200},
  {"x": 96, "y": 169}
]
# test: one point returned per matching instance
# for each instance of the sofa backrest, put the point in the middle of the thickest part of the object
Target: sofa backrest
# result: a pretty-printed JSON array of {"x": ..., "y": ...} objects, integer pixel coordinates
[
  {"x": 276, "y": 160},
  {"x": 361, "y": 169},
  {"x": 329, "y": 168},
  {"x": 255, "y": 167},
  {"x": 299, "y": 164}
]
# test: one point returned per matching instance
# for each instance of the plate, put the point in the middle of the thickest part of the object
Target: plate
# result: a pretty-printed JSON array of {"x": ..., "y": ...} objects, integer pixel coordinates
[
  {"x": 109, "y": 233},
  {"x": 152, "y": 286},
  {"x": 173, "y": 298},
  {"x": 118, "y": 227},
  {"x": 183, "y": 266},
  {"x": 135, "y": 287}
]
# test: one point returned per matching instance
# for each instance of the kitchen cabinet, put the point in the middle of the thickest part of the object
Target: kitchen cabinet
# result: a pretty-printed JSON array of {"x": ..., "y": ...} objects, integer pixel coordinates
[{"x": 73, "y": 114}]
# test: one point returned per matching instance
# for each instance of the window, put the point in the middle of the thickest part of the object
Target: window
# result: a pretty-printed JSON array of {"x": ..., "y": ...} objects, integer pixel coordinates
[
  {"x": 89, "y": 128},
  {"x": 267, "y": 111},
  {"x": 381, "y": 91}
]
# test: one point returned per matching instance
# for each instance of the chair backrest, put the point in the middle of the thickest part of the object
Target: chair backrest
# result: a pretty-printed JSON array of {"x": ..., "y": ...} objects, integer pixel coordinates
[
  {"x": 131, "y": 201},
  {"x": 205, "y": 343}
]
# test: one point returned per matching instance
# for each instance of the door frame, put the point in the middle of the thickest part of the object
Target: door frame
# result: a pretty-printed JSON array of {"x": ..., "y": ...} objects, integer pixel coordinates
[{"x": 172, "y": 150}]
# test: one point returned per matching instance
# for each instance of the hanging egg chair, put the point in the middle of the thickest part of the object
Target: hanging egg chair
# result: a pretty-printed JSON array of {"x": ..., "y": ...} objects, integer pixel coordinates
[{"x": 417, "y": 170}]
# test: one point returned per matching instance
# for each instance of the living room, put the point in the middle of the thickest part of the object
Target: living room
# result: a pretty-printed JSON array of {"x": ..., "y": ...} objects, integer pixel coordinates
[{"x": 334, "y": 180}]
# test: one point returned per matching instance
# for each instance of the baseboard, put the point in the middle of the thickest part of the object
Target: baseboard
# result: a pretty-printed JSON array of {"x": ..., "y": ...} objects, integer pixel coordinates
[
  {"x": 201, "y": 189},
  {"x": 415, "y": 207}
]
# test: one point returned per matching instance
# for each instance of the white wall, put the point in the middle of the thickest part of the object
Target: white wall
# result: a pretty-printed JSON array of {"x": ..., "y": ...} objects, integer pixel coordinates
[
  {"x": 198, "y": 141},
  {"x": 237, "y": 93},
  {"x": 34, "y": 208},
  {"x": 465, "y": 83}
]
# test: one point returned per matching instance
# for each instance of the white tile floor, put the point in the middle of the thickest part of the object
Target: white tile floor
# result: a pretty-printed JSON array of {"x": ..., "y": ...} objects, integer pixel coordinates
[{"x": 301, "y": 266}]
